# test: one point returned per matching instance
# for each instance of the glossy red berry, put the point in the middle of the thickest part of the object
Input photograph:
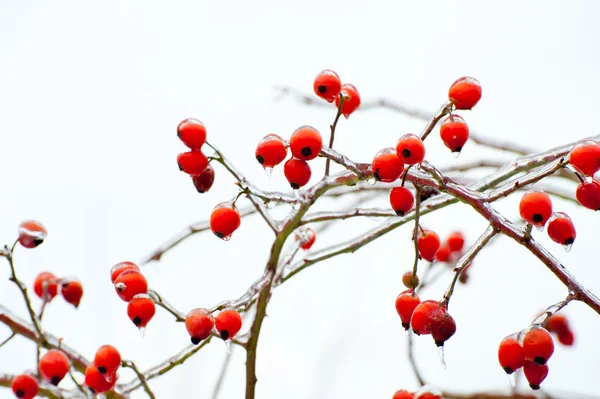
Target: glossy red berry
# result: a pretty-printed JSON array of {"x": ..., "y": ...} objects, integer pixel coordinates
[
  {"x": 199, "y": 324},
  {"x": 443, "y": 253},
  {"x": 456, "y": 241},
  {"x": 588, "y": 195},
  {"x": 424, "y": 316},
  {"x": 535, "y": 373},
  {"x": 192, "y": 162},
  {"x": 204, "y": 181},
  {"x": 119, "y": 268},
  {"x": 428, "y": 392},
  {"x": 228, "y": 323},
  {"x": 403, "y": 394},
  {"x": 129, "y": 284},
  {"x": 297, "y": 172},
  {"x": 536, "y": 208},
  {"x": 192, "y": 132},
  {"x": 72, "y": 291},
  {"x": 409, "y": 281},
  {"x": 31, "y": 234},
  {"x": 386, "y": 166},
  {"x": 271, "y": 151},
  {"x": 351, "y": 99},
  {"x": 465, "y": 92},
  {"x": 47, "y": 281},
  {"x": 25, "y": 386},
  {"x": 510, "y": 354},
  {"x": 538, "y": 345},
  {"x": 443, "y": 327},
  {"x": 306, "y": 143},
  {"x": 566, "y": 338},
  {"x": 428, "y": 243},
  {"x": 327, "y": 85},
  {"x": 307, "y": 238},
  {"x": 401, "y": 200},
  {"x": 54, "y": 365},
  {"x": 224, "y": 220},
  {"x": 141, "y": 310},
  {"x": 557, "y": 323},
  {"x": 585, "y": 157},
  {"x": 97, "y": 382},
  {"x": 107, "y": 359},
  {"x": 410, "y": 149},
  {"x": 454, "y": 133},
  {"x": 406, "y": 303},
  {"x": 561, "y": 229}
]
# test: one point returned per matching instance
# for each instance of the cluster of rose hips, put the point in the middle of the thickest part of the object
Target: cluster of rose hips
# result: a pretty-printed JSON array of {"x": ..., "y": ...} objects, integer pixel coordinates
[
  {"x": 192, "y": 133},
  {"x": 536, "y": 208},
  {"x": 200, "y": 323},
  {"x": 132, "y": 287},
  {"x": 585, "y": 159},
  {"x": 426, "y": 392}
]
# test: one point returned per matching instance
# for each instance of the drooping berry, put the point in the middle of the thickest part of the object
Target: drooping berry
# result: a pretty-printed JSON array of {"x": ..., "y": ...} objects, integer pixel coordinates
[
  {"x": 424, "y": 315},
  {"x": 456, "y": 241},
  {"x": 72, "y": 291},
  {"x": 538, "y": 345},
  {"x": 454, "y": 133},
  {"x": 25, "y": 386},
  {"x": 351, "y": 99},
  {"x": 443, "y": 253},
  {"x": 386, "y": 165},
  {"x": 307, "y": 238},
  {"x": 535, "y": 373},
  {"x": 119, "y": 268},
  {"x": 192, "y": 132},
  {"x": 107, "y": 359},
  {"x": 141, "y": 310},
  {"x": 536, "y": 207},
  {"x": 561, "y": 229},
  {"x": 443, "y": 328},
  {"x": 327, "y": 85},
  {"x": 204, "y": 181},
  {"x": 306, "y": 143},
  {"x": 129, "y": 284},
  {"x": 410, "y": 149},
  {"x": 224, "y": 220},
  {"x": 409, "y": 281},
  {"x": 54, "y": 365},
  {"x": 465, "y": 92},
  {"x": 585, "y": 157},
  {"x": 403, "y": 394},
  {"x": 46, "y": 281},
  {"x": 510, "y": 354},
  {"x": 567, "y": 338},
  {"x": 271, "y": 151},
  {"x": 228, "y": 323},
  {"x": 297, "y": 172},
  {"x": 428, "y": 243},
  {"x": 97, "y": 382},
  {"x": 401, "y": 200},
  {"x": 192, "y": 162},
  {"x": 31, "y": 234},
  {"x": 199, "y": 324},
  {"x": 588, "y": 195},
  {"x": 557, "y": 323},
  {"x": 406, "y": 303}
]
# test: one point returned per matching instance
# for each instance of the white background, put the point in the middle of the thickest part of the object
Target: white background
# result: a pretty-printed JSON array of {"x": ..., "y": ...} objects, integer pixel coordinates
[{"x": 90, "y": 97}]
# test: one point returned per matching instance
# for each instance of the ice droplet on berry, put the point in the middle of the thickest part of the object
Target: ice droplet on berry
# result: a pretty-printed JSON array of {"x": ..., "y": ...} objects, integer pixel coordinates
[
  {"x": 456, "y": 154},
  {"x": 296, "y": 193},
  {"x": 589, "y": 179},
  {"x": 227, "y": 238},
  {"x": 539, "y": 228},
  {"x": 440, "y": 350},
  {"x": 143, "y": 332},
  {"x": 108, "y": 377},
  {"x": 512, "y": 378},
  {"x": 568, "y": 247},
  {"x": 371, "y": 180},
  {"x": 268, "y": 171},
  {"x": 227, "y": 343},
  {"x": 296, "y": 206}
]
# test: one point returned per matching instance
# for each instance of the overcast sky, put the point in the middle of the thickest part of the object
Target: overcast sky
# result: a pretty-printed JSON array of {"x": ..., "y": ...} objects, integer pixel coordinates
[{"x": 90, "y": 97}]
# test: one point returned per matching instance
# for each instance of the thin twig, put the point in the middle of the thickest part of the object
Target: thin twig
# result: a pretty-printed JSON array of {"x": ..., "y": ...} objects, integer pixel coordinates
[
  {"x": 140, "y": 376},
  {"x": 332, "y": 127}
]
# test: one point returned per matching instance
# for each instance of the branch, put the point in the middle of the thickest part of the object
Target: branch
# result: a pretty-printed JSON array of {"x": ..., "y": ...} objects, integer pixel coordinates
[{"x": 140, "y": 376}]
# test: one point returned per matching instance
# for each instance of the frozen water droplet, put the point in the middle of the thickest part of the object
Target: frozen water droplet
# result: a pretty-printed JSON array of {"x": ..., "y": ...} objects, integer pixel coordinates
[
  {"x": 108, "y": 377},
  {"x": 371, "y": 180},
  {"x": 228, "y": 345},
  {"x": 296, "y": 206},
  {"x": 512, "y": 379},
  {"x": 456, "y": 154},
  {"x": 441, "y": 355},
  {"x": 589, "y": 179},
  {"x": 270, "y": 204},
  {"x": 568, "y": 247},
  {"x": 227, "y": 238},
  {"x": 539, "y": 228},
  {"x": 296, "y": 193},
  {"x": 142, "y": 332},
  {"x": 268, "y": 171}
]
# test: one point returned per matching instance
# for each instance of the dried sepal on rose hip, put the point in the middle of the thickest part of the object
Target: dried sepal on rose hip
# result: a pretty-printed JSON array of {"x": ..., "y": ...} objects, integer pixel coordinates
[
  {"x": 351, "y": 99},
  {"x": 536, "y": 208},
  {"x": 31, "y": 234},
  {"x": 406, "y": 303},
  {"x": 585, "y": 157},
  {"x": 45, "y": 286},
  {"x": 199, "y": 324},
  {"x": 96, "y": 382},
  {"x": 271, "y": 151},
  {"x": 561, "y": 229},
  {"x": 25, "y": 386},
  {"x": 401, "y": 200},
  {"x": 386, "y": 166},
  {"x": 306, "y": 143},
  {"x": 141, "y": 310},
  {"x": 228, "y": 323},
  {"x": 588, "y": 195},
  {"x": 510, "y": 354},
  {"x": 192, "y": 162},
  {"x": 107, "y": 359},
  {"x": 192, "y": 133},
  {"x": 297, "y": 172},
  {"x": 307, "y": 238},
  {"x": 428, "y": 243},
  {"x": 129, "y": 283},
  {"x": 327, "y": 85},
  {"x": 204, "y": 181},
  {"x": 410, "y": 149},
  {"x": 54, "y": 365},
  {"x": 465, "y": 92},
  {"x": 72, "y": 291},
  {"x": 538, "y": 344},
  {"x": 224, "y": 220},
  {"x": 454, "y": 132}
]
